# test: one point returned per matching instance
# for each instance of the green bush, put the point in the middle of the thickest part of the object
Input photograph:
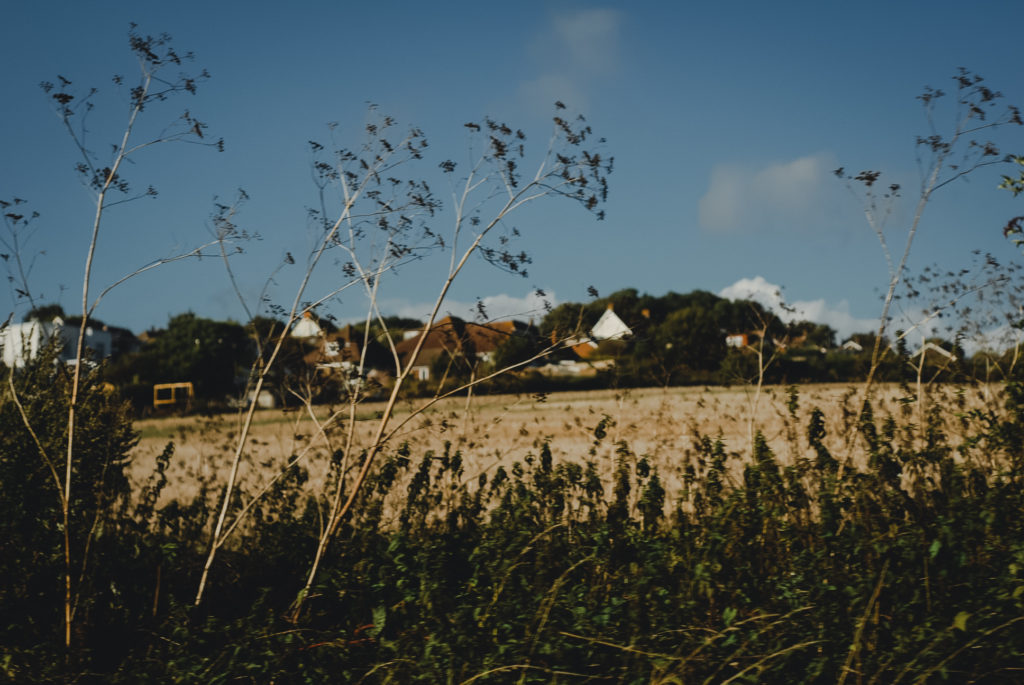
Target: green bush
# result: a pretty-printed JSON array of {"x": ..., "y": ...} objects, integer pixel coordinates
[{"x": 911, "y": 569}]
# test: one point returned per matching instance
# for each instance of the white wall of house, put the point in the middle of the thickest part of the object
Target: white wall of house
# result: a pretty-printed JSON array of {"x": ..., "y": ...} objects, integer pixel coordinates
[{"x": 21, "y": 342}]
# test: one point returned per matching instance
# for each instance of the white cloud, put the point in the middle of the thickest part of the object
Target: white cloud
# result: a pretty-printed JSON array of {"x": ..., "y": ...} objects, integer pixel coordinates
[
  {"x": 722, "y": 207},
  {"x": 575, "y": 51},
  {"x": 769, "y": 295},
  {"x": 756, "y": 289},
  {"x": 788, "y": 194},
  {"x": 591, "y": 39},
  {"x": 497, "y": 307},
  {"x": 543, "y": 91}
]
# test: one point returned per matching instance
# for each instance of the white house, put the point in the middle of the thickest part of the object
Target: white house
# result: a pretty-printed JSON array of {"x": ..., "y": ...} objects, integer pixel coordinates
[
  {"x": 610, "y": 327},
  {"x": 307, "y": 327},
  {"x": 737, "y": 340},
  {"x": 23, "y": 341}
]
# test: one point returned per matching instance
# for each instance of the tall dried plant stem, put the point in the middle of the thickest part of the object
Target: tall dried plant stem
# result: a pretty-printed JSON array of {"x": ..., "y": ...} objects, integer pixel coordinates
[
  {"x": 516, "y": 198},
  {"x": 896, "y": 273},
  {"x": 969, "y": 109},
  {"x": 119, "y": 157},
  {"x": 219, "y": 536},
  {"x": 377, "y": 442}
]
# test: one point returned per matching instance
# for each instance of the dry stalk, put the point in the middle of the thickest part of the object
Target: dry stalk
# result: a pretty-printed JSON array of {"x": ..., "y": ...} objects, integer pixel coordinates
[{"x": 856, "y": 644}]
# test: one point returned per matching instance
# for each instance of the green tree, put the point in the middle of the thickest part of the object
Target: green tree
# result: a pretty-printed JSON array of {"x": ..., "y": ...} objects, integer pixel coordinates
[
  {"x": 45, "y": 312},
  {"x": 567, "y": 319},
  {"x": 288, "y": 371},
  {"x": 696, "y": 338},
  {"x": 810, "y": 334},
  {"x": 395, "y": 324},
  {"x": 211, "y": 354},
  {"x": 517, "y": 348}
]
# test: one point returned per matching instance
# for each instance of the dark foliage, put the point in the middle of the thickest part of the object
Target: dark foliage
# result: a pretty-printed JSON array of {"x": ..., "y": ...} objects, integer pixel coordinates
[
  {"x": 912, "y": 567},
  {"x": 214, "y": 355}
]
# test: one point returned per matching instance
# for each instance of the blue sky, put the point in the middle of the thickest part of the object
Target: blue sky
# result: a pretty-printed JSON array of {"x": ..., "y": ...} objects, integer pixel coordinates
[{"x": 725, "y": 120}]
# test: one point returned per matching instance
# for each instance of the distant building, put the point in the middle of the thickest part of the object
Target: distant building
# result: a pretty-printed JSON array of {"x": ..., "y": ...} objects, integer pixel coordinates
[
  {"x": 738, "y": 340},
  {"x": 608, "y": 327},
  {"x": 307, "y": 327},
  {"x": 22, "y": 342},
  {"x": 451, "y": 337},
  {"x": 568, "y": 367},
  {"x": 335, "y": 351},
  {"x": 742, "y": 341}
]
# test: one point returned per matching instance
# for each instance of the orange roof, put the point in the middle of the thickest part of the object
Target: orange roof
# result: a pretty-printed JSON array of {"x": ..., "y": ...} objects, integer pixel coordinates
[{"x": 454, "y": 335}]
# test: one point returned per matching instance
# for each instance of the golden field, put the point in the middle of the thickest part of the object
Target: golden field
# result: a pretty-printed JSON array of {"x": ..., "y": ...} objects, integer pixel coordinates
[{"x": 493, "y": 430}]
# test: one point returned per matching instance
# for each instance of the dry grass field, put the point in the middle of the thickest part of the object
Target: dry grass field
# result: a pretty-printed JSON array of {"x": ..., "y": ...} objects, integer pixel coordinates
[{"x": 660, "y": 424}]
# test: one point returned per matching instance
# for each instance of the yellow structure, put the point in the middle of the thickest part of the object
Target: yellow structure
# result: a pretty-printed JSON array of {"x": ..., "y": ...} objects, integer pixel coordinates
[{"x": 173, "y": 394}]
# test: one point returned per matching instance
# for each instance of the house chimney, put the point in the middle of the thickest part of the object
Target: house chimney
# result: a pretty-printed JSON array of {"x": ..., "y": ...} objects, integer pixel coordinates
[
  {"x": 646, "y": 313},
  {"x": 611, "y": 306}
]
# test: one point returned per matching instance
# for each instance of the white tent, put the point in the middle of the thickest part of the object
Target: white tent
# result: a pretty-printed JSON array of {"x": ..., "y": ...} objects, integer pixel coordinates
[{"x": 610, "y": 327}]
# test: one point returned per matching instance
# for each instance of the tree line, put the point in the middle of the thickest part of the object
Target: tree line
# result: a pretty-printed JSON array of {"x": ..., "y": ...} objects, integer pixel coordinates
[
  {"x": 676, "y": 339},
  {"x": 702, "y": 338}
]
